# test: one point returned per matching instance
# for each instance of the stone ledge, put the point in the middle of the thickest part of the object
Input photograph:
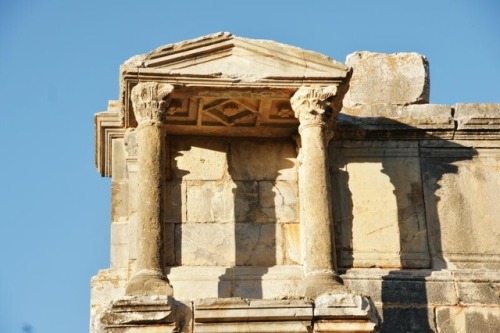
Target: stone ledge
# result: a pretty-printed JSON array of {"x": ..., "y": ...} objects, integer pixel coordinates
[
  {"x": 426, "y": 287},
  {"x": 477, "y": 116},
  {"x": 382, "y": 120},
  {"x": 417, "y": 116},
  {"x": 328, "y": 313},
  {"x": 395, "y": 121},
  {"x": 138, "y": 310}
]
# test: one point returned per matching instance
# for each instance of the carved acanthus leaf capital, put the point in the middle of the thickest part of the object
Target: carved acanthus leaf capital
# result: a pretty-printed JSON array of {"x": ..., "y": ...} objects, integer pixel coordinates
[
  {"x": 150, "y": 101},
  {"x": 312, "y": 105}
]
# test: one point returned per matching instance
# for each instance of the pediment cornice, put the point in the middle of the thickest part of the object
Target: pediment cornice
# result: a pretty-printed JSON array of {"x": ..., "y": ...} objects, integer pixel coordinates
[{"x": 235, "y": 60}]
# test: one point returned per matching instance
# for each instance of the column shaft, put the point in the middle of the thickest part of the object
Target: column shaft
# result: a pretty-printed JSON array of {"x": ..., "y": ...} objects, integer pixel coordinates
[
  {"x": 150, "y": 100},
  {"x": 312, "y": 106},
  {"x": 150, "y": 195},
  {"x": 315, "y": 198}
]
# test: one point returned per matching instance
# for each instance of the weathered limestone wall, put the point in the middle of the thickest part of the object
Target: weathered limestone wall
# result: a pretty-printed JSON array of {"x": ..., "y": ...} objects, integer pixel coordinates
[
  {"x": 233, "y": 212},
  {"x": 415, "y": 197},
  {"x": 416, "y": 202}
]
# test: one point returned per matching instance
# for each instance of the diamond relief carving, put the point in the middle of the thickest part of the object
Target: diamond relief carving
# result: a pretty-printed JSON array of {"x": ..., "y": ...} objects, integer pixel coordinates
[{"x": 229, "y": 112}]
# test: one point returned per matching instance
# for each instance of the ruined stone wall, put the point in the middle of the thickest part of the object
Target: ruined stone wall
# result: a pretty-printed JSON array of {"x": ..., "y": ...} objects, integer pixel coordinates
[
  {"x": 415, "y": 198},
  {"x": 416, "y": 217},
  {"x": 418, "y": 230}
]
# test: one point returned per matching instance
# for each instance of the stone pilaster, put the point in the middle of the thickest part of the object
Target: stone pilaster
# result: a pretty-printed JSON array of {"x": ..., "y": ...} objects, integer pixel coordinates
[
  {"x": 312, "y": 106},
  {"x": 150, "y": 101}
]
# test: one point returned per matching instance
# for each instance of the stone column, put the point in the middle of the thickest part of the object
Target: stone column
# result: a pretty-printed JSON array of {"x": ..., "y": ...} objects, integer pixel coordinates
[
  {"x": 150, "y": 100},
  {"x": 312, "y": 107}
]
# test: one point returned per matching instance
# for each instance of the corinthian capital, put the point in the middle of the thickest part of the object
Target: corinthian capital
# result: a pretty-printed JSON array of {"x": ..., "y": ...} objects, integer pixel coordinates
[
  {"x": 312, "y": 105},
  {"x": 150, "y": 101}
]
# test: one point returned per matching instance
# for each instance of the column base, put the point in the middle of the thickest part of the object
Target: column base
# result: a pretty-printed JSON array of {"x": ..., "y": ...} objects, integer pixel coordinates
[
  {"x": 149, "y": 283},
  {"x": 318, "y": 283},
  {"x": 344, "y": 313}
]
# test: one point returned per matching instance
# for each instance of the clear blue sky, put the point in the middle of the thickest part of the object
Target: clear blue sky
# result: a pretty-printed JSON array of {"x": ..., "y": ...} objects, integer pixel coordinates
[{"x": 59, "y": 65}]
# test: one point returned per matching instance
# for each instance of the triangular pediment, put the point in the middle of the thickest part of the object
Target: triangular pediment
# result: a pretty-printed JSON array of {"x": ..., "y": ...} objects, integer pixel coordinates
[{"x": 224, "y": 55}]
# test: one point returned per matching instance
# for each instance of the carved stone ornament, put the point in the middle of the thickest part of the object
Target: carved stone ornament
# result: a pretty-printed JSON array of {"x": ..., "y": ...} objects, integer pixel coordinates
[
  {"x": 150, "y": 101},
  {"x": 312, "y": 105}
]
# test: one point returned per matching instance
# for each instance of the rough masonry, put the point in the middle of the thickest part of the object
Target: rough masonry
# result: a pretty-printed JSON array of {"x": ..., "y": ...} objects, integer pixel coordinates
[{"x": 259, "y": 187}]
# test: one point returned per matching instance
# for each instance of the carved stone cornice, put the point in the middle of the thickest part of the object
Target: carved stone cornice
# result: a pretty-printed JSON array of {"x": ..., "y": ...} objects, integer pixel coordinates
[
  {"x": 150, "y": 101},
  {"x": 313, "y": 105},
  {"x": 108, "y": 127}
]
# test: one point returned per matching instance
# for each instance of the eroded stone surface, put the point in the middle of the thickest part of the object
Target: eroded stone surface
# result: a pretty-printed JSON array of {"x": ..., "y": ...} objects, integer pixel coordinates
[
  {"x": 379, "y": 196},
  {"x": 278, "y": 201},
  {"x": 273, "y": 160},
  {"x": 399, "y": 78},
  {"x": 461, "y": 193},
  {"x": 477, "y": 116},
  {"x": 467, "y": 319},
  {"x": 199, "y": 158},
  {"x": 204, "y": 244}
]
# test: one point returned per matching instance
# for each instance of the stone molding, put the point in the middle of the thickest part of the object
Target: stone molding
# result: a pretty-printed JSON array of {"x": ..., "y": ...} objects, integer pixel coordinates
[
  {"x": 474, "y": 121},
  {"x": 328, "y": 313},
  {"x": 150, "y": 101},
  {"x": 108, "y": 127}
]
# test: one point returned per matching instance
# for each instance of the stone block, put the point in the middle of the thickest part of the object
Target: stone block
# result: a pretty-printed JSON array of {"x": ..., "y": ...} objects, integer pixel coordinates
[
  {"x": 476, "y": 116},
  {"x": 378, "y": 195},
  {"x": 132, "y": 192},
  {"x": 463, "y": 228},
  {"x": 192, "y": 282},
  {"x": 292, "y": 245},
  {"x": 468, "y": 319},
  {"x": 133, "y": 310},
  {"x": 399, "y": 78},
  {"x": 243, "y": 315},
  {"x": 205, "y": 244},
  {"x": 245, "y": 196},
  {"x": 175, "y": 201},
  {"x": 256, "y": 244},
  {"x": 132, "y": 236},
  {"x": 169, "y": 243},
  {"x": 407, "y": 319},
  {"x": 331, "y": 311},
  {"x": 479, "y": 292},
  {"x": 368, "y": 284},
  {"x": 397, "y": 117},
  {"x": 196, "y": 158},
  {"x": 406, "y": 287},
  {"x": 221, "y": 201},
  {"x": 118, "y": 169},
  {"x": 278, "y": 201},
  {"x": 105, "y": 286},
  {"x": 167, "y": 328},
  {"x": 119, "y": 245},
  {"x": 261, "y": 160},
  {"x": 119, "y": 201},
  {"x": 260, "y": 282}
]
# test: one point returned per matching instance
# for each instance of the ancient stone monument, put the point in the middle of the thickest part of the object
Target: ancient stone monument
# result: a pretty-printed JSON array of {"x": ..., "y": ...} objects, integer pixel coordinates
[{"x": 259, "y": 187}]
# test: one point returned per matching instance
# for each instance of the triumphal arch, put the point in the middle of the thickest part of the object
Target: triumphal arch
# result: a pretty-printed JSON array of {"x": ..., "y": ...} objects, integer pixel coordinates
[{"x": 259, "y": 187}]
